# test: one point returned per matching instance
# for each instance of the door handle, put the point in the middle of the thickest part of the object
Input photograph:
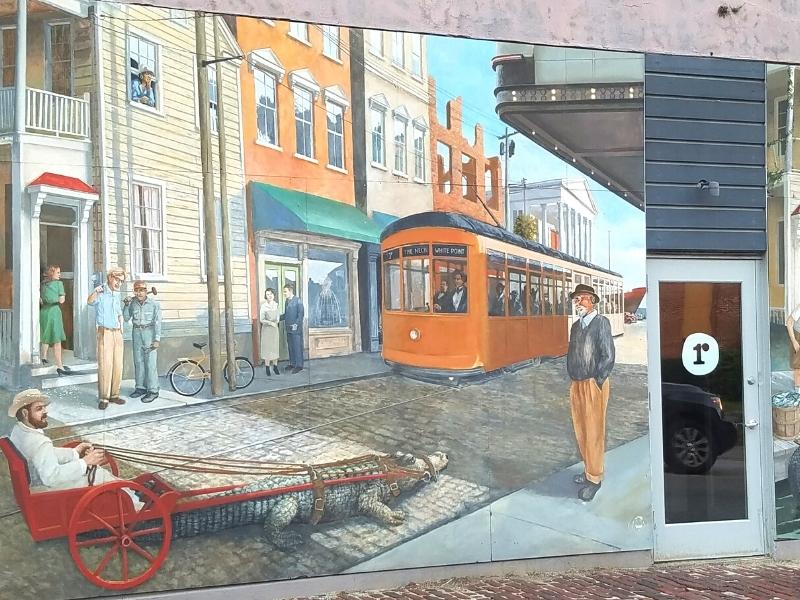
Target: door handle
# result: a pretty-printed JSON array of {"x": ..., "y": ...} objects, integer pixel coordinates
[
  {"x": 751, "y": 381},
  {"x": 751, "y": 424}
]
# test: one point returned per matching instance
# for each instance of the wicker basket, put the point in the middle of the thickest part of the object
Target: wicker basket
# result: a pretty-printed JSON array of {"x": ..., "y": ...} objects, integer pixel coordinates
[{"x": 786, "y": 422}]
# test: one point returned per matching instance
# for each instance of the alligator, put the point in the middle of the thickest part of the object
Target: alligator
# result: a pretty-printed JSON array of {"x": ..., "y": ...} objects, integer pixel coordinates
[{"x": 327, "y": 501}]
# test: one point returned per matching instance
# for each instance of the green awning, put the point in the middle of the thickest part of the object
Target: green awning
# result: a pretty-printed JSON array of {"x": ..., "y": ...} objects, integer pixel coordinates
[{"x": 276, "y": 208}]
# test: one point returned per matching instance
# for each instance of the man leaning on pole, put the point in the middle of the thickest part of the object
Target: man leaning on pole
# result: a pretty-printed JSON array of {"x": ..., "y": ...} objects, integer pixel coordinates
[{"x": 107, "y": 304}]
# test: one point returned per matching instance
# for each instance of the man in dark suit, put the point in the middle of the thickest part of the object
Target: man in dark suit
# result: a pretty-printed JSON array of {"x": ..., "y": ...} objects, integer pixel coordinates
[
  {"x": 441, "y": 300},
  {"x": 459, "y": 295},
  {"x": 293, "y": 316}
]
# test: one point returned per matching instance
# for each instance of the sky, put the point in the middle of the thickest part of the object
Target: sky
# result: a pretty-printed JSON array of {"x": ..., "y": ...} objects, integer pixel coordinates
[{"x": 463, "y": 68}]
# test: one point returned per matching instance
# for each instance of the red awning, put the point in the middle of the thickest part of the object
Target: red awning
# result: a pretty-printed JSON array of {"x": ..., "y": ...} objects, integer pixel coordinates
[{"x": 64, "y": 182}]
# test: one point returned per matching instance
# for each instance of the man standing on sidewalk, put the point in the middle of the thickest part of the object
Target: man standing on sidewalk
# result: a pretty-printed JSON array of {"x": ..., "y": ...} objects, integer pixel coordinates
[
  {"x": 590, "y": 360},
  {"x": 293, "y": 316},
  {"x": 108, "y": 317},
  {"x": 145, "y": 316}
]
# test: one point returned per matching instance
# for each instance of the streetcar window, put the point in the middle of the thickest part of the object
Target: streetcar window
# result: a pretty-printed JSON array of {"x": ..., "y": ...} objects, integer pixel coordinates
[
  {"x": 496, "y": 284},
  {"x": 449, "y": 286},
  {"x": 535, "y": 292},
  {"x": 391, "y": 286},
  {"x": 568, "y": 287},
  {"x": 517, "y": 293},
  {"x": 547, "y": 291},
  {"x": 416, "y": 284},
  {"x": 559, "y": 294}
]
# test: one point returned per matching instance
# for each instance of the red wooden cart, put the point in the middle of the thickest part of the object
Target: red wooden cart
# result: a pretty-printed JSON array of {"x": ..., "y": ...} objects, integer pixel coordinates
[{"x": 114, "y": 546}]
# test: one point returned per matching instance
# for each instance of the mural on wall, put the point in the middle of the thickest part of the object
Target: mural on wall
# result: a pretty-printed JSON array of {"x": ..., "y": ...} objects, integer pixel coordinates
[
  {"x": 782, "y": 214},
  {"x": 436, "y": 307}
]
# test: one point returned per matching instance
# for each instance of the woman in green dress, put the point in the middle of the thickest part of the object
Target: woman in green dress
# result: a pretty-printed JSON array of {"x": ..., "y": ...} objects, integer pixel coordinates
[{"x": 51, "y": 322}]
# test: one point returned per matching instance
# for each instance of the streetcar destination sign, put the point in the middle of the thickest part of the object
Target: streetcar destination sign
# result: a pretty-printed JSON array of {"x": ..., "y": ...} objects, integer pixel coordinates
[
  {"x": 391, "y": 254},
  {"x": 452, "y": 250},
  {"x": 416, "y": 250}
]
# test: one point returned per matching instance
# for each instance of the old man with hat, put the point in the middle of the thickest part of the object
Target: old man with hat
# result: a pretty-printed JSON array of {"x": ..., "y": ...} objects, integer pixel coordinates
[
  {"x": 107, "y": 304},
  {"x": 144, "y": 313},
  {"x": 51, "y": 467},
  {"x": 590, "y": 360},
  {"x": 142, "y": 90}
]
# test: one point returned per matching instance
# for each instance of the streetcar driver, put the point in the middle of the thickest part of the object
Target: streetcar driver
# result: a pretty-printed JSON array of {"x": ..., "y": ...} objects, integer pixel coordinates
[{"x": 55, "y": 468}]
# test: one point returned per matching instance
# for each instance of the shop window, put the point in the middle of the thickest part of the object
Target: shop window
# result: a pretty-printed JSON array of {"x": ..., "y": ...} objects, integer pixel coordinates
[
  {"x": 496, "y": 284},
  {"x": 283, "y": 249},
  {"x": 266, "y": 107},
  {"x": 391, "y": 286},
  {"x": 148, "y": 229},
  {"x": 328, "y": 289},
  {"x": 417, "y": 284},
  {"x": 143, "y": 72},
  {"x": 450, "y": 286}
]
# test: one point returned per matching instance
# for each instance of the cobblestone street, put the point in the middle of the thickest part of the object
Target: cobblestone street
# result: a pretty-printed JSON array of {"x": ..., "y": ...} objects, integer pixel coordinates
[{"x": 499, "y": 435}]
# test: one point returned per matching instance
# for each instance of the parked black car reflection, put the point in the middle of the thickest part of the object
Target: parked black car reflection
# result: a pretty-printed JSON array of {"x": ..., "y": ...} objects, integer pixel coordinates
[{"x": 695, "y": 430}]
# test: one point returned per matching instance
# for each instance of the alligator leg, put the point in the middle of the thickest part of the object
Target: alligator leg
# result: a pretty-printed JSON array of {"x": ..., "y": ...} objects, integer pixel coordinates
[
  {"x": 370, "y": 505},
  {"x": 281, "y": 515}
]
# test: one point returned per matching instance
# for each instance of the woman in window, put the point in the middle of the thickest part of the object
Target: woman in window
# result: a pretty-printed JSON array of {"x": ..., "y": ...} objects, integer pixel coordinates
[
  {"x": 51, "y": 321},
  {"x": 269, "y": 315}
]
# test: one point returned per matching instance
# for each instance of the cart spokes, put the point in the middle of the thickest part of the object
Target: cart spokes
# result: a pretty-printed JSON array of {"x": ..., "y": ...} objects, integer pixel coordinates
[{"x": 114, "y": 546}]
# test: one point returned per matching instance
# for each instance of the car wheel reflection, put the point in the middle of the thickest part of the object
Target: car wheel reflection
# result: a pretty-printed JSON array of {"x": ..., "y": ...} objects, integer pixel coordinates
[{"x": 690, "y": 449}]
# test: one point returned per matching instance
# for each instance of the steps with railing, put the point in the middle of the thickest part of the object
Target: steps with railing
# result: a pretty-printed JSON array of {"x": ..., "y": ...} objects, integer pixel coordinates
[{"x": 47, "y": 113}]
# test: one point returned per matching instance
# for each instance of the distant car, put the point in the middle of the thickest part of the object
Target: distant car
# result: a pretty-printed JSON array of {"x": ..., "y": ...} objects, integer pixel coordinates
[
  {"x": 630, "y": 318},
  {"x": 695, "y": 429}
]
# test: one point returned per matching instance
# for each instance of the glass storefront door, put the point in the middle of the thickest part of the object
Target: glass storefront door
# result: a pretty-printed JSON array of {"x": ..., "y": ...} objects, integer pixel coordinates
[
  {"x": 275, "y": 277},
  {"x": 706, "y": 438}
]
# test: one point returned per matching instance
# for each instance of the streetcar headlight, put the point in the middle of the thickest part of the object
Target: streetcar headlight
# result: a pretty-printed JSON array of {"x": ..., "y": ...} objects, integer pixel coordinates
[{"x": 414, "y": 335}]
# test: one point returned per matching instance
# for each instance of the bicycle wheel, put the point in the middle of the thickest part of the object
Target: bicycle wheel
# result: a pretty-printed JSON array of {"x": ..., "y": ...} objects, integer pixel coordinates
[
  {"x": 187, "y": 377},
  {"x": 245, "y": 373}
]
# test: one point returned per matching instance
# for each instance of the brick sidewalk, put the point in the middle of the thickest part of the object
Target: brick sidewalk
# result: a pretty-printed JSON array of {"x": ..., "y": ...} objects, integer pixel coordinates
[{"x": 757, "y": 580}]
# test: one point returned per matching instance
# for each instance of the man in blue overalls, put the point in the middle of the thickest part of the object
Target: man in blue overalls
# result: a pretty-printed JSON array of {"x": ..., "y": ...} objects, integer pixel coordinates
[{"x": 145, "y": 316}]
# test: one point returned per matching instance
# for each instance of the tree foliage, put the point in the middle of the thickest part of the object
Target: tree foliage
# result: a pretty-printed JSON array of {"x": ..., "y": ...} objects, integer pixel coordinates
[{"x": 527, "y": 227}]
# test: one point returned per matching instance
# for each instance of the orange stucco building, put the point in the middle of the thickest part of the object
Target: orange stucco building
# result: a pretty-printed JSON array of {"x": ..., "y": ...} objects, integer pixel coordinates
[
  {"x": 303, "y": 226},
  {"x": 464, "y": 179}
]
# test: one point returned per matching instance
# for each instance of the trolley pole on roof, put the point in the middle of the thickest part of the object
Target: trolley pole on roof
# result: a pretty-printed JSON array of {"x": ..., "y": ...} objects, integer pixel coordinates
[{"x": 209, "y": 208}]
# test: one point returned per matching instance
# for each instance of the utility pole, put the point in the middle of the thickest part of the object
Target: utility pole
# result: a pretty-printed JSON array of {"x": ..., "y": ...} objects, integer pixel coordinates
[
  {"x": 507, "y": 151},
  {"x": 226, "y": 229},
  {"x": 209, "y": 212}
]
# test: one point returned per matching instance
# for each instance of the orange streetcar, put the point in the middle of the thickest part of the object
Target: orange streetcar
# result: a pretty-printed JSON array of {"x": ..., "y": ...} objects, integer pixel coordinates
[{"x": 463, "y": 298}]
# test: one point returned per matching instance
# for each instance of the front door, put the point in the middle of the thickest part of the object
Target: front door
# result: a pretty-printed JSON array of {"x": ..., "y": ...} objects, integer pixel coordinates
[
  {"x": 275, "y": 277},
  {"x": 705, "y": 381},
  {"x": 57, "y": 248}
]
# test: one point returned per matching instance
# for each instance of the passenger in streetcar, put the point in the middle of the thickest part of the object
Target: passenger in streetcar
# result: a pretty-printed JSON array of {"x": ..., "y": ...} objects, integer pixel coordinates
[
  {"x": 459, "y": 297},
  {"x": 442, "y": 301}
]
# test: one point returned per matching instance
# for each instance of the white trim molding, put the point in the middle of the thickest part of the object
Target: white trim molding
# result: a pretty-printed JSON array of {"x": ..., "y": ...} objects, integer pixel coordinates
[
  {"x": 303, "y": 78},
  {"x": 267, "y": 60}
]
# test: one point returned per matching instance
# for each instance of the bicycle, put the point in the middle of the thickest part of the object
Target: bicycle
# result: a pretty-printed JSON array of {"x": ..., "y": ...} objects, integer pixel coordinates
[{"x": 188, "y": 375}]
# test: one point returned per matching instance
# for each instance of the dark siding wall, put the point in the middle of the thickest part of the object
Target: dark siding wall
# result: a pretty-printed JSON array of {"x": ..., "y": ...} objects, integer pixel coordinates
[{"x": 704, "y": 119}]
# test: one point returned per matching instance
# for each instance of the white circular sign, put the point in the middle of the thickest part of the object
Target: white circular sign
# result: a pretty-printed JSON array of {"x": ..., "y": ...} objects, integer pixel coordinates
[{"x": 700, "y": 354}]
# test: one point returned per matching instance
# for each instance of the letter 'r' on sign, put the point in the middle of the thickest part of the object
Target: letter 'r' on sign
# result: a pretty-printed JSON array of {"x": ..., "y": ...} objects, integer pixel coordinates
[{"x": 700, "y": 354}]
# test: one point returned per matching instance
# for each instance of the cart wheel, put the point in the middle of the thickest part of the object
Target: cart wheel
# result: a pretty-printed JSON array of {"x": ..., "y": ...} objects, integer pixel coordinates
[
  {"x": 245, "y": 373},
  {"x": 113, "y": 546},
  {"x": 187, "y": 377}
]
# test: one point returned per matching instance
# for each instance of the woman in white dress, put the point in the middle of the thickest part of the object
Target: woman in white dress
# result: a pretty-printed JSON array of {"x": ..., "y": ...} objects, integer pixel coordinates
[{"x": 269, "y": 316}]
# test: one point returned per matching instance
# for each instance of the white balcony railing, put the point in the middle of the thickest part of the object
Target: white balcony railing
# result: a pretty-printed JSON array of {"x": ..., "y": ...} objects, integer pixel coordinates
[
  {"x": 6, "y": 339},
  {"x": 47, "y": 113}
]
